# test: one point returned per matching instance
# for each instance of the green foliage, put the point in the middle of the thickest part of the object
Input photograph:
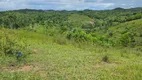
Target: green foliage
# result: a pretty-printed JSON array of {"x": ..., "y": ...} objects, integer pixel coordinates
[
  {"x": 78, "y": 35},
  {"x": 127, "y": 39},
  {"x": 80, "y": 25},
  {"x": 126, "y": 34},
  {"x": 71, "y": 45},
  {"x": 56, "y": 61},
  {"x": 105, "y": 58},
  {"x": 10, "y": 45},
  {"x": 77, "y": 20}
]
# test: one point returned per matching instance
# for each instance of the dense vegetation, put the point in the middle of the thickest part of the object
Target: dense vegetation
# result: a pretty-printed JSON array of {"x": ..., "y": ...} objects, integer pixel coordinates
[
  {"x": 78, "y": 25},
  {"x": 71, "y": 45}
]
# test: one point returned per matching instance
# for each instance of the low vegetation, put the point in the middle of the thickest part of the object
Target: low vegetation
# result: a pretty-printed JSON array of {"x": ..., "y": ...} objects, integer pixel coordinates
[{"x": 71, "y": 45}]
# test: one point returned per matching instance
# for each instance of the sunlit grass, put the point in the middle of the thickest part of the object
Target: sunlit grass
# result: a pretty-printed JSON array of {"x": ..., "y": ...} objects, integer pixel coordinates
[{"x": 52, "y": 61}]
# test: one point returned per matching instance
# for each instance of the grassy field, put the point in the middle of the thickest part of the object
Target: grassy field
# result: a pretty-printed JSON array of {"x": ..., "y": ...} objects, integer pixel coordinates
[{"x": 52, "y": 61}]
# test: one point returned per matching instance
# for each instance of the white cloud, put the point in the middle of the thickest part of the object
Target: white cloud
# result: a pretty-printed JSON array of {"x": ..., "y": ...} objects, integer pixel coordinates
[
  {"x": 13, "y": 4},
  {"x": 71, "y": 1},
  {"x": 85, "y": 6},
  {"x": 64, "y": 4},
  {"x": 99, "y": 1}
]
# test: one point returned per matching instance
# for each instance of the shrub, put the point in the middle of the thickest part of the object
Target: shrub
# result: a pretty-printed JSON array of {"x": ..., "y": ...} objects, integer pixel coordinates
[
  {"x": 10, "y": 45},
  {"x": 60, "y": 39},
  {"x": 79, "y": 36},
  {"x": 127, "y": 39},
  {"x": 105, "y": 58}
]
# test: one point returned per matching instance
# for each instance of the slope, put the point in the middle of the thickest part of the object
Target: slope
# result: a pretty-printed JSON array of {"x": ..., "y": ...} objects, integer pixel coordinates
[
  {"x": 49, "y": 60},
  {"x": 128, "y": 33}
]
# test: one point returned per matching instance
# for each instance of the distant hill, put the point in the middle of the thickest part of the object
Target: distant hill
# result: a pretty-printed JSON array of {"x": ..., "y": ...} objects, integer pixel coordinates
[
  {"x": 131, "y": 31},
  {"x": 119, "y": 8}
]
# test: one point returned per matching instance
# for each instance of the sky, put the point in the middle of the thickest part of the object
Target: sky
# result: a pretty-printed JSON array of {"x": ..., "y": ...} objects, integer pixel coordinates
[{"x": 68, "y": 4}]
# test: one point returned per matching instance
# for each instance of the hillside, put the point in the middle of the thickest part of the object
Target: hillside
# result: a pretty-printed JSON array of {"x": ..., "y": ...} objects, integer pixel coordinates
[
  {"x": 71, "y": 45},
  {"x": 49, "y": 60},
  {"x": 129, "y": 30},
  {"x": 124, "y": 34}
]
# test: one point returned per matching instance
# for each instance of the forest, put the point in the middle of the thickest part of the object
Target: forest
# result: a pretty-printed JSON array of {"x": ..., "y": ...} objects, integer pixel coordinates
[{"x": 71, "y": 45}]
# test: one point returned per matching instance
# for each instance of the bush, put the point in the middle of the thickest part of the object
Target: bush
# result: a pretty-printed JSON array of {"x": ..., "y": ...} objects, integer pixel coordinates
[
  {"x": 105, "y": 58},
  {"x": 79, "y": 35},
  {"x": 10, "y": 45},
  {"x": 127, "y": 39},
  {"x": 60, "y": 39}
]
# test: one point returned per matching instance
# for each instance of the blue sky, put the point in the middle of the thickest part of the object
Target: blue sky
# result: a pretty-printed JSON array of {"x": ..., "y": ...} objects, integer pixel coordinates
[{"x": 68, "y": 4}]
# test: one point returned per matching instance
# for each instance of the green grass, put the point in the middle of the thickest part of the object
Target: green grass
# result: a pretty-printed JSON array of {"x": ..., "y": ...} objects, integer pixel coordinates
[
  {"x": 132, "y": 27},
  {"x": 79, "y": 20},
  {"x": 52, "y": 61}
]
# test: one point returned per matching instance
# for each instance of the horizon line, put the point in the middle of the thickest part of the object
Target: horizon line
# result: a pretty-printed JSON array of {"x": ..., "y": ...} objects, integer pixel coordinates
[{"x": 69, "y": 10}]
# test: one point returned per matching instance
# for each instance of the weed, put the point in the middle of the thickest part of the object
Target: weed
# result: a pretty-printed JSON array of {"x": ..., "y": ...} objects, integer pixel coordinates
[{"x": 105, "y": 58}]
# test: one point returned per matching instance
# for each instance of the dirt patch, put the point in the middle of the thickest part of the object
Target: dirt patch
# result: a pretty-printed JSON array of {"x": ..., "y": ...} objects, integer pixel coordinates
[
  {"x": 104, "y": 64},
  {"x": 22, "y": 68},
  {"x": 35, "y": 50},
  {"x": 17, "y": 69},
  {"x": 27, "y": 68},
  {"x": 42, "y": 73}
]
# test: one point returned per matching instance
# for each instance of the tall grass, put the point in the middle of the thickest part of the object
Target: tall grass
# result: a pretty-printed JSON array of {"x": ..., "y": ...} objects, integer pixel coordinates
[{"x": 78, "y": 61}]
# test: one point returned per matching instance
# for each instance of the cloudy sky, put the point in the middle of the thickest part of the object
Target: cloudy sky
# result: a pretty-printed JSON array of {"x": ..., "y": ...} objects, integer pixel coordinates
[{"x": 68, "y": 4}]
